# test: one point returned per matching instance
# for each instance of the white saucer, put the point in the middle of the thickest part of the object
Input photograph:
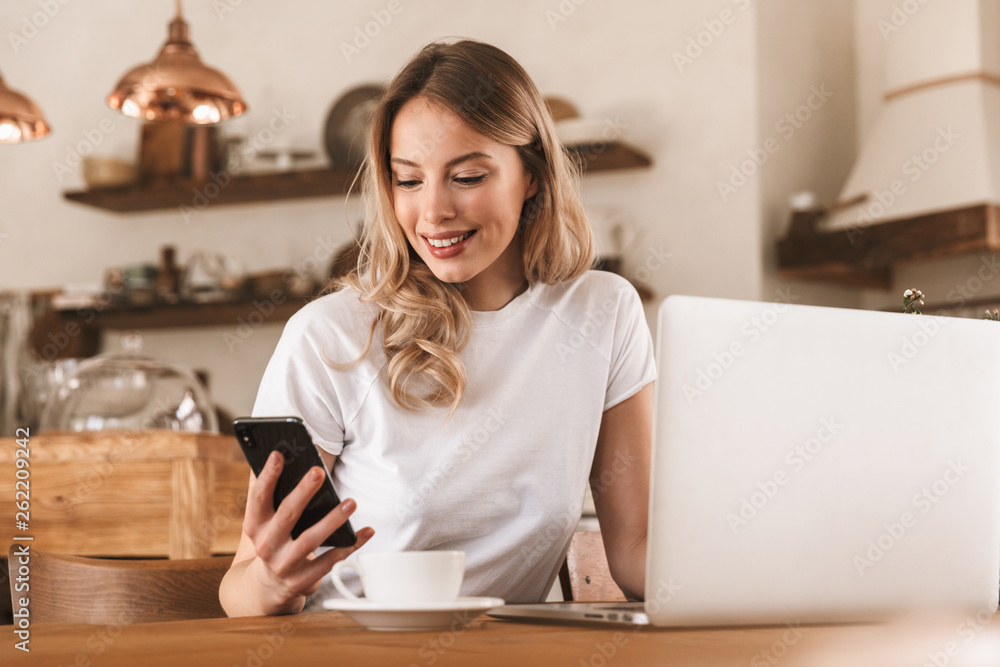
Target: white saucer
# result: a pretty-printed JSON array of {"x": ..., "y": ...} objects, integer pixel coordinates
[{"x": 428, "y": 616}]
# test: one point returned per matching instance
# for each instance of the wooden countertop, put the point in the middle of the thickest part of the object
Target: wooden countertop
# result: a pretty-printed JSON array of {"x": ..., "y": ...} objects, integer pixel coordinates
[{"x": 329, "y": 638}]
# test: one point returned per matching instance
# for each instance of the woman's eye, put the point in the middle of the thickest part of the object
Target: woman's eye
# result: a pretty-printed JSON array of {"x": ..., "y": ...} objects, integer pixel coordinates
[
  {"x": 471, "y": 180},
  {"x": 406, "y": 184}
]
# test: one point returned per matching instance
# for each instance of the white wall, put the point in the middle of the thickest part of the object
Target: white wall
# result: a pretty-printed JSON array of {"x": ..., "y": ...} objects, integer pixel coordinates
[
  {"x": 613, "y": 60},
  {"x": 807, "y": 107}
]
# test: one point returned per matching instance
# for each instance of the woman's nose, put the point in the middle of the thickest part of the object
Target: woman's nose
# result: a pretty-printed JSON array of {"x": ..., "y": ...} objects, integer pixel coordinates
[{"x": 438, "y": 204}]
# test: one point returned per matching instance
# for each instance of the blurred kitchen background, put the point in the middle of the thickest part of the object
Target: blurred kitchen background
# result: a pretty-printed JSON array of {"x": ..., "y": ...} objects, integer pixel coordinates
[{"x": 705, "y": 125}]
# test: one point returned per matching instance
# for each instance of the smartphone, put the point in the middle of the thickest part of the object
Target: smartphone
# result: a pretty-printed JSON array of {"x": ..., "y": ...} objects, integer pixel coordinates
[{"x": 259, "y": 436}]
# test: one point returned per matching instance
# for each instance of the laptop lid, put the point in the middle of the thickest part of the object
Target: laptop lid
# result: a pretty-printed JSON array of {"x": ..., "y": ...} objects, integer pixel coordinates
[{"x": 819, "y": 464}]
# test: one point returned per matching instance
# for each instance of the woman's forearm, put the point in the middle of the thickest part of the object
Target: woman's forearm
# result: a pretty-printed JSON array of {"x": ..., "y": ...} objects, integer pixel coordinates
[{"x": 629, "y": 570}]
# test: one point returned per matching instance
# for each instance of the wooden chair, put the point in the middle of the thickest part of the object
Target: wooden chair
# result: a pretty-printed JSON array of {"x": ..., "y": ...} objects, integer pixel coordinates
[
  {"x": 72, "y": 589},
  {"x": 585, "y": 576}
]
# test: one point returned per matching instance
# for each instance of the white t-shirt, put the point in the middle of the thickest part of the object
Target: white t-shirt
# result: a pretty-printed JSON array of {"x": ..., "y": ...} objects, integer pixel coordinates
[{"x": 504, "y": 478}]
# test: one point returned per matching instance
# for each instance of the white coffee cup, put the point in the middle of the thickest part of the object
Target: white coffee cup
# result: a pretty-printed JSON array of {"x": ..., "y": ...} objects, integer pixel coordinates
[{"x": 405, "y": 577}]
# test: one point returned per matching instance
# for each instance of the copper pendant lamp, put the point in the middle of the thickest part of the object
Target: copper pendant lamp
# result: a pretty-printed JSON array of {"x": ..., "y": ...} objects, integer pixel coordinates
[
  {"x": 177, "y": 86},
  {"x": 20, "y": 118}
]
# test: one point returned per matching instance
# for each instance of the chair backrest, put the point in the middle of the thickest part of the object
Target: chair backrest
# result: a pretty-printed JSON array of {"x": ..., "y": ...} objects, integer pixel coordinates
[
  {"x": 71, "y": 589},
  {"x": 585, "y": 576}
]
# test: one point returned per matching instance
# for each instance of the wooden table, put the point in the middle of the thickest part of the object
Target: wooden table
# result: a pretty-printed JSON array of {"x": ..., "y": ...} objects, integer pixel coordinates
[
  {"x": 329, "y": 638},
  {"x": 129, "y": 493}
]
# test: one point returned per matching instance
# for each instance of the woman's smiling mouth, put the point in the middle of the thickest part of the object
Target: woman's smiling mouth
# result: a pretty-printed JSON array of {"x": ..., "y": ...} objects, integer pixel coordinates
[
  {"x": 448, "y": 244},
  {"x": 444, "y": 243}
]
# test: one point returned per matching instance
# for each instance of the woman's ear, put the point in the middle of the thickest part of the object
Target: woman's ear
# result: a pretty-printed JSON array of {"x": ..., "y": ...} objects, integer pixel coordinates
[{"x": 532, "y": 188}]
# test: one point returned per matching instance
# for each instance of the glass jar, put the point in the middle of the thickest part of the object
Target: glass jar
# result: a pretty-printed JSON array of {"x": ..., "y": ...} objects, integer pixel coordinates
[{"x": 128, "y": 390}]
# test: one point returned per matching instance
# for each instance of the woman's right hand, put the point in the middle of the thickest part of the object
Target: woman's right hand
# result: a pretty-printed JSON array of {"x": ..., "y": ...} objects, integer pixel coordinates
[{"x": 284, "y": 570}]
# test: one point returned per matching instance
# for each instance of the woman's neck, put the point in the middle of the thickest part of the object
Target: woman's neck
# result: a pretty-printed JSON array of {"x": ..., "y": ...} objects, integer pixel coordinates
[{"x": 500, "y": 283}]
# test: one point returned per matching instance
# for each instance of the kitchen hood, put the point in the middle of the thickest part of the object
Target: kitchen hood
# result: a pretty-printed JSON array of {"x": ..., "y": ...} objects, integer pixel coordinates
[{"x": 935, "y": 147}]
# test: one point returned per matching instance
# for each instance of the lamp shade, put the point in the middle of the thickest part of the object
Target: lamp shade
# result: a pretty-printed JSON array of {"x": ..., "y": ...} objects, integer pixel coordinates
[
  {"x": 177, "y": 86},
  {"x": 20, "y": 119}
]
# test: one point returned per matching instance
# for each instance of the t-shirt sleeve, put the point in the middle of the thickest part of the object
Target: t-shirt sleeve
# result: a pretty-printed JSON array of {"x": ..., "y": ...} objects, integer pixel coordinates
[
  {"x": 298, "y": 383},
  {"x": 632, "y": 365}
]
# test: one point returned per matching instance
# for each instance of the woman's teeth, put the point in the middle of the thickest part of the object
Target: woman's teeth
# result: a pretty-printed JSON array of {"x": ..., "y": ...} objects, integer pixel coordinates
[{"x": 444, "y": 243}]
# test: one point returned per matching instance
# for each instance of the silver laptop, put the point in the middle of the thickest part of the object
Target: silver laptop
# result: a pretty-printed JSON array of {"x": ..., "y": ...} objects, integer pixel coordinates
[{"x": 816, "y": 465}]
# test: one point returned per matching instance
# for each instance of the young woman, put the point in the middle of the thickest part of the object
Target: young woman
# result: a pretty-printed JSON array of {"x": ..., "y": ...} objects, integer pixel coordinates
[{"x": 472, "y": 373}]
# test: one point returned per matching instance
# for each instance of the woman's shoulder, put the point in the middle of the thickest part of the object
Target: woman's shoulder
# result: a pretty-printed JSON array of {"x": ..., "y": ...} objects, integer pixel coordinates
[
  {"x": 595, "y": 306},
  {"x": 343, "y": 312},
  {"x": 593, "y": 288}
]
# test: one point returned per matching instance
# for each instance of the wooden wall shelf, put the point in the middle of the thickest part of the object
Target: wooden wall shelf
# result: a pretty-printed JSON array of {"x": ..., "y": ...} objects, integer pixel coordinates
[
  {"x": 865, "y": 256},
  {"x": 197, "y": 196},
  {"x": 78, "y": 332},
  {"x": 592, "y": 158},
  {"x": 293, "y": 185},
  {"x": 175, "y": 316}
]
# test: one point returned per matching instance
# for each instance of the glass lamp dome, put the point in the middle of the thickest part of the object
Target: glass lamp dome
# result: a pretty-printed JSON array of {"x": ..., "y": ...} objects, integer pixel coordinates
[{"x": 128, "y": 390}]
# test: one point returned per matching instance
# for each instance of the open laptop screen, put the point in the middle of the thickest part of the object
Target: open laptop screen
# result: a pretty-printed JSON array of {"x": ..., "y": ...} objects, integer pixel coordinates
[{"x": 821, "y": 464}]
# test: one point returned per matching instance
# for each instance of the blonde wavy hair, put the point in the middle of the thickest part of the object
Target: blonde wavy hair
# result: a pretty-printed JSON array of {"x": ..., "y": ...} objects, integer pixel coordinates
[{"x": 425, "y": 322}]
